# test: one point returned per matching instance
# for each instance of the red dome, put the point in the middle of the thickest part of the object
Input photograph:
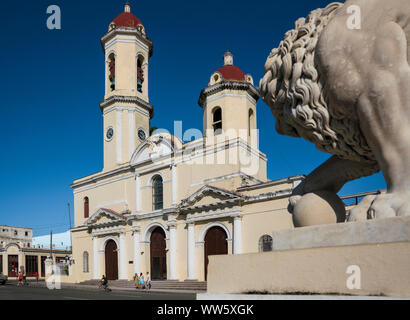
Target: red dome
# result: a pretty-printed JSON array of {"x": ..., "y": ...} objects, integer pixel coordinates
[
  {"x": 128, "y": 20},
  {"x": 233, "y": 73}
]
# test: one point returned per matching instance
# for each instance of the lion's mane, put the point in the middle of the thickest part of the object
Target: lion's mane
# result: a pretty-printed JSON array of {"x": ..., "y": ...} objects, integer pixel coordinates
[{"x": 298, "y": 97}]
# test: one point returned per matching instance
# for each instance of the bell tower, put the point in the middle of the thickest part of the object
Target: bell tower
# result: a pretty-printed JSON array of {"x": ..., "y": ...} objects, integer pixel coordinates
[
  {"x": 229, "y": 102},
  {"x": 126, "y": 108}
]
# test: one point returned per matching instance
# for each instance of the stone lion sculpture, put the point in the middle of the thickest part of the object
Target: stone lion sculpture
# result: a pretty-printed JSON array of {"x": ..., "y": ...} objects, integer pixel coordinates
[{"x": 347, "y": 90}]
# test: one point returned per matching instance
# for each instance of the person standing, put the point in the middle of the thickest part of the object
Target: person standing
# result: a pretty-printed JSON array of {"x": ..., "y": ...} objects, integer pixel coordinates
[
  {"x": 136, "y": 281},
  {"x": 20, "y": 279},
  {"x": 141, "y": 282},
  {"x": 148, "y": 282},
  {"x": 36, "y": 275}
]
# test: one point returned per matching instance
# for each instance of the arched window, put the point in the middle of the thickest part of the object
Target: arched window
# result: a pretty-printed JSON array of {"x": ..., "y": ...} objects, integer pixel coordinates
[
  {"x": 140, "y": 73},
  {"x": 157, "y": 193},
  {"x": 111, "y": 71},
  {"x": 217, "y": 121},
  {"x": 250, "y": 122},
  {"x": 85, "y": 262},
  {"x": 265, "y": 243},
  {"x": 86, "y": 207}
]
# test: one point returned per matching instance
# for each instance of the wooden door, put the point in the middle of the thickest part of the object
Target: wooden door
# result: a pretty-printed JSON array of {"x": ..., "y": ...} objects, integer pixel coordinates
[
  {"x": 111, "y": 260},
  {"x": 158, "y": 255},
  {"x": 215, "y": 244},
  {"x": 13, "y": 266}
]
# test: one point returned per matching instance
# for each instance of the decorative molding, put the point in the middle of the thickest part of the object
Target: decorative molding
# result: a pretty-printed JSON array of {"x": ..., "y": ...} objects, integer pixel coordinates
[
  {"x": 141, "y": 39},
  {"x": 104, "y": 212},
  {"x": 99, "y": 184},
  {"x": 205, "y": 229},
  {"x": 228, "y": 176},
  {"x": 223, "y": 95},
  {"x": 206, "y": 190},
  {"x": 268, "y": 196},
  {"x": 107, "y": 231},
  {"x": 272, "y": 183},
  {"x": 127, "y": 99},
  {"x": 122, "y": 108},
  {"x": 228, "y": 85},
  {"x": 104, "y": 242},
  {"x": 212, "y": 216},
  {"x": 148, "y": 230}
]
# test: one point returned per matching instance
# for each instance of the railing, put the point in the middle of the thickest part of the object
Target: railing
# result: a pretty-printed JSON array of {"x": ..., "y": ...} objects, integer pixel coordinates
[{"x": 354, "y": 199}]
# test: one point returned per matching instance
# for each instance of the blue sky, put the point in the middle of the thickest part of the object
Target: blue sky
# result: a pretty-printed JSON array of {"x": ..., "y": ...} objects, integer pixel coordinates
[{"x": 52, "y": 82}]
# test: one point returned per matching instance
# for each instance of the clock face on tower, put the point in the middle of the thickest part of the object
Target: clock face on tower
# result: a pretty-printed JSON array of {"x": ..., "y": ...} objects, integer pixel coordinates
[
  {"x": 141, "y": 134},
  {"x": 109, "y": 133}
]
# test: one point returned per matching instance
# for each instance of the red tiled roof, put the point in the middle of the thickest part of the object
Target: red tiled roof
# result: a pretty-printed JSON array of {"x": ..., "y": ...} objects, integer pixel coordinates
[
  {"x": 127, "y": 19},
  {"x": 231, "y": 73},
  {"x": 113, "y": 212}
]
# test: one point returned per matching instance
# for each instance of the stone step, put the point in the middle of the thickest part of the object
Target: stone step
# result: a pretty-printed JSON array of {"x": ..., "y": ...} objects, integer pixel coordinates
[{"x": 156, "y": 284}]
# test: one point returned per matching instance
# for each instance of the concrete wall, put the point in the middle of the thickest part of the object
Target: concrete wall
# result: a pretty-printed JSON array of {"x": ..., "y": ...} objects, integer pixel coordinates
[{"x": 384, "y": 270}]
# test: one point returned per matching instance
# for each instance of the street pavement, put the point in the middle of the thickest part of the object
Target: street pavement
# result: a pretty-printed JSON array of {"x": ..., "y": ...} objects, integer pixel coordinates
[{"x": 11, "y": 291}]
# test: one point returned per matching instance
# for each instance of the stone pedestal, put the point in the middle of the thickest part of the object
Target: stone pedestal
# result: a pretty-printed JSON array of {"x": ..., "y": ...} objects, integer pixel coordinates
[{"x": 356, "y": 258}]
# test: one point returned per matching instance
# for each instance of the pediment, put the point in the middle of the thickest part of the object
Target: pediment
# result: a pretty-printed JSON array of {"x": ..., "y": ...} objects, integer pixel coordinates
[
  {"x": 156, "y": 147},
  {"x": 208, "y": 195},
  {"x": 104, "y": 216}
]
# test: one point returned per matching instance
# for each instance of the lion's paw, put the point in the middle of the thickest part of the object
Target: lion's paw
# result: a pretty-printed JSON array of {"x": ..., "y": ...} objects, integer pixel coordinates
[{"x": 390, "y": 205}]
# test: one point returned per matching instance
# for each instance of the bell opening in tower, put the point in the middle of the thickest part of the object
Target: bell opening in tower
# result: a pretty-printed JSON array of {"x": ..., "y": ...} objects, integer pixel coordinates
[
  {"x": 111, "y": 75},
  {"x": 140, "y": 74}
]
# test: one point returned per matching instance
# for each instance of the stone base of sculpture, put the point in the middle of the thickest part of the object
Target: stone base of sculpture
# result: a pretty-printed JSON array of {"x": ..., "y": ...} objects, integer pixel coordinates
[{"x": 356, "y": 258}]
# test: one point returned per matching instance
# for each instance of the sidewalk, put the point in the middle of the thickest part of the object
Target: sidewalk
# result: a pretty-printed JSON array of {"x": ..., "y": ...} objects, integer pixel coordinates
[{"x": 93, "y": 287}]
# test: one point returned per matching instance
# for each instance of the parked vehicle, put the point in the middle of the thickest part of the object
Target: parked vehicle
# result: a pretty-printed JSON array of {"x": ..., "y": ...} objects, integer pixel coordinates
[{"x": 3, "y": 278}]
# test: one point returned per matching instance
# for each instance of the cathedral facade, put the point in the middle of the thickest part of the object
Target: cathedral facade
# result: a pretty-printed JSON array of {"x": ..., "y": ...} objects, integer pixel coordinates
[{"x": 162, "y": 205}]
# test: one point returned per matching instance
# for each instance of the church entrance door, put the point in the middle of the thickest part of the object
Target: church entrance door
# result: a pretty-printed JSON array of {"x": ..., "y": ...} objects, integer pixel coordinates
[
  {"x": 158, "y": 255},
  {"x": 111, "y": 260}
]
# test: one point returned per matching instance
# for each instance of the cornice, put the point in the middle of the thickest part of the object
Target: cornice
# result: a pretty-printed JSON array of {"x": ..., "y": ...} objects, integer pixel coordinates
[
  {"x": 228, "y": 85},
  {"x": 128, "y": 31},
  {"x": 124, "y": 99}
]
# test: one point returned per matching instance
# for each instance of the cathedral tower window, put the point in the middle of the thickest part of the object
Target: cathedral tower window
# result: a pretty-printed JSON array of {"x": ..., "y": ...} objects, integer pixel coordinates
[
  {"x": 111, "y": 71},
  {"x": 157, "y": 193},
  {"x": 86, "y": 208},
  {"x": 217, "y": 120},
  {"x": 140, "y": 73}
]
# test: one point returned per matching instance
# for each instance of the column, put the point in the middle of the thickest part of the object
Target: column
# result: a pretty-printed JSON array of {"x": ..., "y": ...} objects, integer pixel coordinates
[
  {"x": 237, "y": 235},
  {"x": 131, "y": 132},
  {"x": 137, "y": 192},
  {"x": 123, "y": 257},
  {"x": 172, "y": 251},
  {"x": 137, "y": 250},
  {"x": 96, "y": 271},
  {"x": 39, "y": 265},
  {"x": 118, "y": 134},
  {"x": 22, "y": 262},
  {"x": 174, "y": 184},
  {"x": 191, "y": 252}
]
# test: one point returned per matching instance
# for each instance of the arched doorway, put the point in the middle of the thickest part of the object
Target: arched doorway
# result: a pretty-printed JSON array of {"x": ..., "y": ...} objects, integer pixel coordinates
[
  {"x": 111, "y": 260},
  {"x": 158, "y": 255},
  {"x": 215, "y": 243}
]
